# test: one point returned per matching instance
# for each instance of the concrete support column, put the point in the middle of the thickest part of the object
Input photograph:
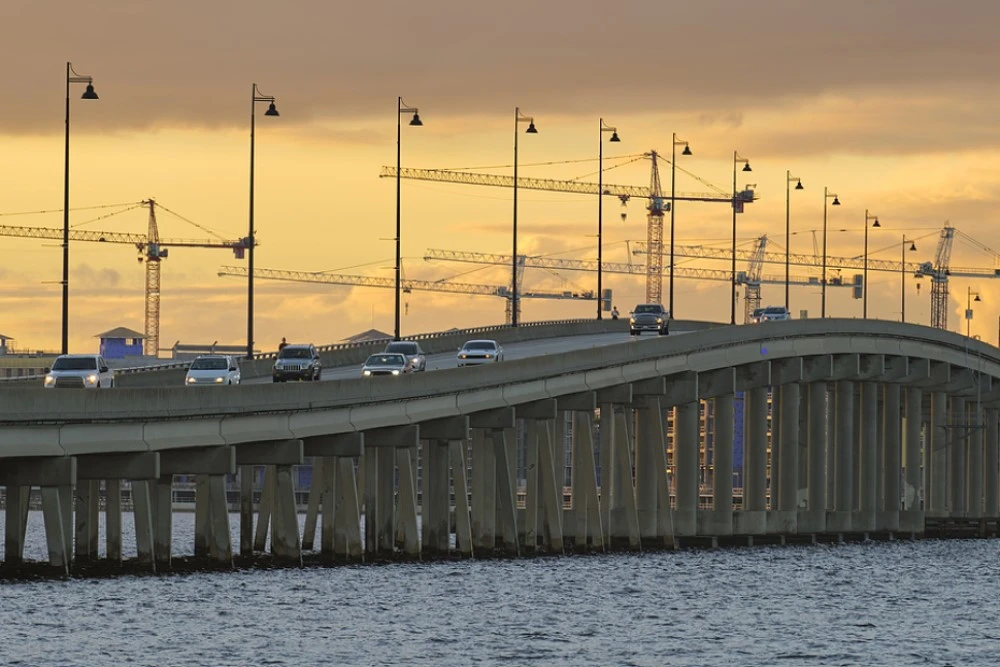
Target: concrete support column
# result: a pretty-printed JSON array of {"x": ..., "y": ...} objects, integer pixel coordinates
[
  {"x": 459, "y": 472},
  {"x": 753, "y": 519},
  {"x": 911, "y": 517},
  {"x": 407, "y": 536},
  {"x": 588, "y": 531},
  {"x": 813, "y": 519},
  {"x": 843, "y": 473},
  {"x": 15, "y": 524},
  {"x": 649, "y": 448},
  {"x": 605, "y": 435},
  {"x": 774, "y": 451},
  {"x": 958, "y": 445},
  {"x": 220, "y": 544},
  {"x": 57, "y": 537},
  {"x": 142, "y": 512},
  {"x": 341, "y": 496},
  {"x": 371, "y": 498},
  {"x": 991, "y": 465},
  {"x": 935, "y": 457},
  {"x": 831, "y": 447},
  {"x": 385, "y": 471},
  {"x": 788, "y": 455},
  {"x": 504, "y": 450},
  {"x": 435, "y": 499},
  {"x": 722, "y": 480},
  {"x": 870, "y": 476},
  {"x": 87, "y": 517},
  {"x": 974, "y": 468},
  {"x": 285, "y": 544},
  {"x": 163, "y": 520},
  {"x": 550, "y": 491},
  {"x": 246, "y": 511},
  {"x": 264, "y": 511},
  {"x": 686, "y": 443},
  {"x": 314, "y": 505},
  {"x": 201, "y": 516},
  {"x": 887, "y": 517},
  {"x": 484, "y": 492}
]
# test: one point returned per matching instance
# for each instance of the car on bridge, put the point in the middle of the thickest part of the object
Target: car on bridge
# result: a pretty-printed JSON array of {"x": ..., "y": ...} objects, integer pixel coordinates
[
  {"x": 411, "y": 350},
  {"x": 773, "y": 314},
  {"x": 297, "y": 362},
  {"x": 79, "y": 371},
  {"x": 649, "y": 317},
  {"x": 478, "y": 352},
  {"x": 386, "y": 363},
  {"x": 213, "y": 369}
]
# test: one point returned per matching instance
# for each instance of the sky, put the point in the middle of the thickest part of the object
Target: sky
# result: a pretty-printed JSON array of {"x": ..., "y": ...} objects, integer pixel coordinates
[{"x": 890, "y": 105}]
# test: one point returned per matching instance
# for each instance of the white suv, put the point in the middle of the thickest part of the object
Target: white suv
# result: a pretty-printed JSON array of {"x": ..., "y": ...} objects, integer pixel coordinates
[
  {"x": 80, "y": 371},
  {"x": 213, "y": 369},
  {"x": 774, "y": 314}
]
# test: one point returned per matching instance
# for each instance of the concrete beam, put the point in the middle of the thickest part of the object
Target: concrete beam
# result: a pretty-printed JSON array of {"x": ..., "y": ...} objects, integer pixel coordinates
[
  {"x": 449, "y": 428},
  {"x": 753, "y": 376},
  {"x": 496, "y": 418},
  {"x": 681, "y": 388},
  {"x": 198, "y": 461},
  {"x": 543, "y": 409},
  {"x": 817, "y": 368},
  {"x": 620, "y": 394},
  {"x": 144, "y": 465},
  {"x": 786, "y": 371},
  {"x": 393, "y": 436},
  {"x": 339, "y": 444},
  {"x": 650, "y": 387},
  {"x": 872, "y": 366},
  {"x": 712, "y": 384},
  {"x": 584, "y": 401},
  {"x": 846, "y": 366},
  {"x": 42, "y": 471},
  {"x": 896, "y": 368},
  {"x": 938, "y": 376},
  {"x": 962, "y": 382},
  {"x": 918, "y": 371}
]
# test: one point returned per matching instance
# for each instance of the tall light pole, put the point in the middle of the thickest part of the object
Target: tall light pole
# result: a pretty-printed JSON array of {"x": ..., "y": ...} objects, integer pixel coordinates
[
  {"x": 518, "y": 118},
  {"x": 902, "y": 278},
  {"x": 736, "y": 204},
  {"x": 864, "y": 288},
  {"x": 788, "y": 228},
  {"x": 675, "y": 142},
  {"x": 827, "y": 196},
  {"x": 416, "y": 122},
  {"x": 600, "y": 207},
  {"x": 88, "y": 94},
  {"x": 968, "y": 309},
  {"x": 251, "y": 242}
]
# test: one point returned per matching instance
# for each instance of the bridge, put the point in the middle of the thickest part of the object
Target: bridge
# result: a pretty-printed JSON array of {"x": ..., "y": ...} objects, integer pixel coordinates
[{"x": 851, "y": 428}]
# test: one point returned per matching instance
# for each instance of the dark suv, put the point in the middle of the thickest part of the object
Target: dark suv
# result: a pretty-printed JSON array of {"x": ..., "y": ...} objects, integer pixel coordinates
[
  {"x": 649, "y": 317},
  {"x": 297, "y": 362}
]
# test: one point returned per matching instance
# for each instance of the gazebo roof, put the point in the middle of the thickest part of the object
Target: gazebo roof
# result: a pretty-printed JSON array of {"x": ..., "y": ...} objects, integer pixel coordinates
[{"x": 120, "y": 332}]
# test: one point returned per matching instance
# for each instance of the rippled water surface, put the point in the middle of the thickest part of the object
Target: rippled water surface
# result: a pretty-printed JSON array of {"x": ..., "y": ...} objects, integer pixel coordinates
[{"x": 902, "y": 603}]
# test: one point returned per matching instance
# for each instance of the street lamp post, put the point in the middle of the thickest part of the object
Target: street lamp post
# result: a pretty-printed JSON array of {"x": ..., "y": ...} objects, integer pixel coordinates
[
  {"x": 902, "y": 278},
  {"x": 827, "y": 195},
  {"x": 675, "y": 142},
  {"x": 864, "y": 287},
  {"x": 746, "y": 167},
  {"x": 88, "y": 94},
  {"x": 968, "y": 309},
  {"x": 251, "y": 242},
  {"x": 788, "y": 228},
  {"x": 415, "y": 121},
  {"x": 518, "y": 118},
  {"x": 600, "y": 207}
]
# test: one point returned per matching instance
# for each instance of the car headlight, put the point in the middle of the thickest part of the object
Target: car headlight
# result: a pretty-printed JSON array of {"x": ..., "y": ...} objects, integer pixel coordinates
[
  {"x": 489, "y": 356},
  {"x": 366, "y": 372},
  {"x": 395, "y": 371},
  {"x": 91, "y": 379},
  {"x": 50, "y": 380},
  {"x": 462, "y": 355},
  {"x": 218, "y": 380},
  {"x": 659, "y": 320},
  {"x": 631, "y": 320},
  {"x": 191, "y": 380}
]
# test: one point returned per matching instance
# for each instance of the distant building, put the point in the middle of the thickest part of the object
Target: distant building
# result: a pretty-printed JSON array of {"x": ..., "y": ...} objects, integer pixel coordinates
[
  {"x": 367, "y": 336},
  {"x": 120, "y": 343},
  {"x": 3, "y": 343}
]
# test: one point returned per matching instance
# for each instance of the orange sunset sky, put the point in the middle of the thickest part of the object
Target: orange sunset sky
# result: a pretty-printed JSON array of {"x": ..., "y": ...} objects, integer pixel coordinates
[{"x": 890, "y": 104}]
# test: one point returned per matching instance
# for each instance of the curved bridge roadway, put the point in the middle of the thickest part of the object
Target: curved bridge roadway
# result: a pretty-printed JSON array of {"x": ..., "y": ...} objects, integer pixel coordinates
[{"x": 850, "y": 428}]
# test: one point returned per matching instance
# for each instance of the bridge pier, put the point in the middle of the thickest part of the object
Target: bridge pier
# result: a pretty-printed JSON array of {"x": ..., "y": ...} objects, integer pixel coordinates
[
  {"x": 991, "y": 456},
  {"x": 839, "y": 519},
  {"x": 719, "y": 520},
  {"x": 786, "y": 515},
  {"x": 16, "y": 524},
  {"x": 867, "y": 470},
  {"x": 584, "y": 524},
  {"x": 813, "y": 518},
  {"x": 911, "y": 515}
]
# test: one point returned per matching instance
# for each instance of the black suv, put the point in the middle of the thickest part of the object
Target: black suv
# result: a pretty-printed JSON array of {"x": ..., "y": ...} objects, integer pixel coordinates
[{"x": 297, "y": 362}]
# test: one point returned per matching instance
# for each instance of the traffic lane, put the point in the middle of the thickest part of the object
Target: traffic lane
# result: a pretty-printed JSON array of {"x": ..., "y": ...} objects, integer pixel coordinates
[{"x": 511, "y": 351}]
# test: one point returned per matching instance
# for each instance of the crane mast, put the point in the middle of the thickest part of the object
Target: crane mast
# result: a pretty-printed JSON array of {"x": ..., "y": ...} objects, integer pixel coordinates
[
  {"x": 153, "y": 255},
  {"x": 938, "y": 273},
  {"x": 753, "y": 278},
  {"x": 654, "y": 236}
]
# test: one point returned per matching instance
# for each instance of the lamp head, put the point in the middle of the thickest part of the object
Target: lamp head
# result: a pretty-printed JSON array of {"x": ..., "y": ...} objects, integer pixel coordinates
[
  {"x": 614, "y": 137},
  {"x": 913, "y": 246},
  {"x": 836, "y": 202},
  {"x": 89, "y": 93},
  {"x": 415, "y": 121},
  {"x": 687, "y": 150},
  {"x": 746, "y": 167},
  {"x": 875, "y": 224},
  {"x": 798, "y": 186},
  {"x": 271, "y": 110},
  {"x": 977, "y": 298},
  {"x": 531, "y": 128}
]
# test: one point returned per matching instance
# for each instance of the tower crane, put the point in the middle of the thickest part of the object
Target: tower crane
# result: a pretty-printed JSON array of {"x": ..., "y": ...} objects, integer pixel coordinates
[
  {"x": 407, "y": 285},
  {"x": 152, "y": 249},
  {"x": 656, "y": 206},
  {"x": 940, "y": 271},
  {"x": 752, "y": 278}
]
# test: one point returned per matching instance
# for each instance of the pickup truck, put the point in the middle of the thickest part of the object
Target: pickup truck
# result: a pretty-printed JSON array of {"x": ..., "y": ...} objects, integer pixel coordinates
[{"x": 649, "y": 317}]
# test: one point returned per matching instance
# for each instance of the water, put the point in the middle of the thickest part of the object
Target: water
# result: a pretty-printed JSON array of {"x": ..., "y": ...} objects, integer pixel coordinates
[{"x": 903, "y": 603}]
